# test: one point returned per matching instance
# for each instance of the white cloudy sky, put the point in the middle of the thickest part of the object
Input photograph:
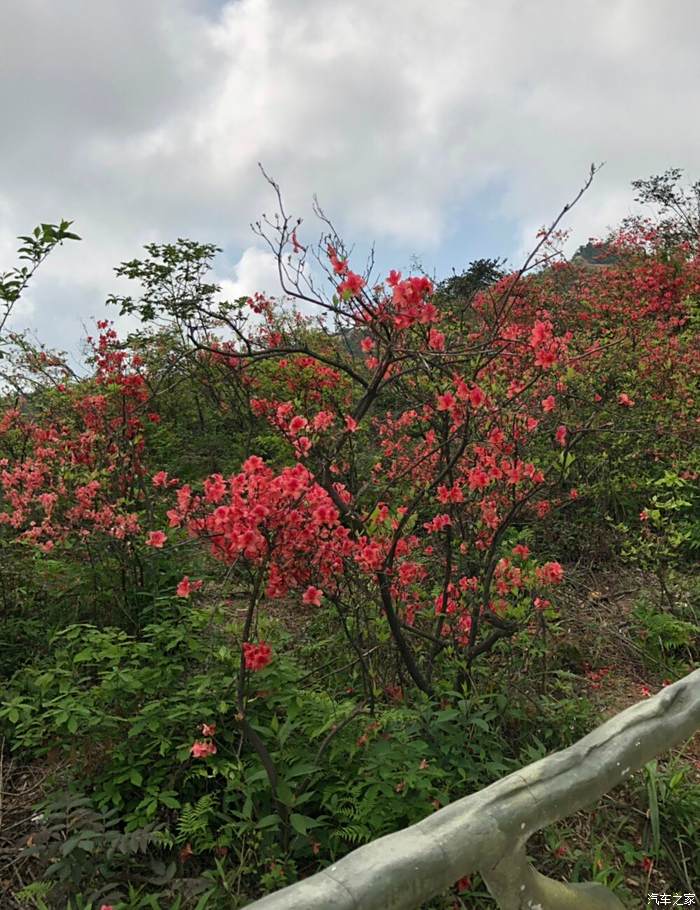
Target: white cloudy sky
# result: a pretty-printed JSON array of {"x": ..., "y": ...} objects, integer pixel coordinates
[{"x": 447, "y": 130}]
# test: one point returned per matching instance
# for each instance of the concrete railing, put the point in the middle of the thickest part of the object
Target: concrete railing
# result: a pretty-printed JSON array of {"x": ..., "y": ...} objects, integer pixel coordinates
[{"x": 487, "y": 832}]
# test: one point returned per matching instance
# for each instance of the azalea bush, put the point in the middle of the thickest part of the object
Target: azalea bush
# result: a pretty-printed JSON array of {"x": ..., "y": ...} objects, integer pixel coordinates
[
  {"x": 342, "y": 518},
  {"x": 75, "y": 495},
  {"x": 427, "y": 436}
]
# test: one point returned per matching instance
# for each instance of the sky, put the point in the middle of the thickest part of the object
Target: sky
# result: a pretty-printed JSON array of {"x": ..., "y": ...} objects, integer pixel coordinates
[{"x": 444, "y": 131}]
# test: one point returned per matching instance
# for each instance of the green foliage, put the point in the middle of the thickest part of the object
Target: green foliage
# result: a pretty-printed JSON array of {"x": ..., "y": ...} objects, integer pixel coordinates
[
  {"x": 172, "y": 278},
  {"x": 678, "y": 206},
  {"x": 667, "y": 533},
  {"x": 35, "y": 248},
  {"x": 127, "y": 709},
  {"x": 81, "y": 846},
  {"x": 615, "y": 852},
  {"x": 99, "y": 685},
  {"x": 458, "y": 291},
  {"x": 663, "y": 634},
  {"x": 676, "y": 833}
]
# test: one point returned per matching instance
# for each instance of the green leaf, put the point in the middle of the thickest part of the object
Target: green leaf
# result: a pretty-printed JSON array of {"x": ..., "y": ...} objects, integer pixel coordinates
[
  {"x": 301, "y": 769},
  {"x": 447, "y": 714},
  {"x": 269, "y": 821},
  {"x": 301, "y": 823},
  {"x": 285, "y": 795},
  {"x": 652, "y": 792}
]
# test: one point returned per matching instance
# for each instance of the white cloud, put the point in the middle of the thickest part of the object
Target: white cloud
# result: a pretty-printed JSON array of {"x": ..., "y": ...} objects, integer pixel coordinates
[
  {"x": 146, "y": 120},
  {"x": 256, "y": 270}
]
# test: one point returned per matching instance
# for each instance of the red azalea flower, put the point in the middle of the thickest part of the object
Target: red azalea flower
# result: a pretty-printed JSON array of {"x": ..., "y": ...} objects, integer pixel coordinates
[
  {"x": 256, "y": 656},
  {"x": 156, "y": 539},
  {"x": 312, "y": 595},
  {"x": 202, "y": 749}
]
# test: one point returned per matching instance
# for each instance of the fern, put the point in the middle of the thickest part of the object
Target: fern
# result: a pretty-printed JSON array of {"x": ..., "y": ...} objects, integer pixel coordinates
[
  {"x": 195, "y": 819},
  {"x": 347, "y": 809},
  {"x": 164, "y": 839},
  {"x": 35, "y": 894},
  {"x": 353, "y": 834}
]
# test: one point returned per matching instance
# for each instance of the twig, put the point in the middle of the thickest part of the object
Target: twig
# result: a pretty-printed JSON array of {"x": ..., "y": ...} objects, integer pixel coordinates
[
  {"x": 336, "y": 728},
  {"x": 339, "y": 669}
]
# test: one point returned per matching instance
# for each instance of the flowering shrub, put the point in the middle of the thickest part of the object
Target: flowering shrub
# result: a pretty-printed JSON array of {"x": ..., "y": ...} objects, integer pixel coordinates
[
  {"x": 73, "y": 485},
  {"x": 413, "y": 459},
  {"x": 81, "y": 457},
  {"x": 419, "y": 454},
  {"x": 402, "y": 473}
]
